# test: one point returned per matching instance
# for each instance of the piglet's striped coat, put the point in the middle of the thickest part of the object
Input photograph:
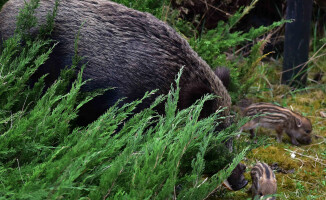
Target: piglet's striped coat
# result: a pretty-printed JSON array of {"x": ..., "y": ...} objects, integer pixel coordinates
[
  {"x": 271, "y": 116},
  {"x": 263, "y": 181}
]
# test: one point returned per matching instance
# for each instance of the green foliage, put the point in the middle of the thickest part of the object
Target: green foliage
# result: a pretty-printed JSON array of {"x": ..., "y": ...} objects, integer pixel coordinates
[
  {"x": 212, "y": 45},
  {"x": 46, "y": 29},
  {"x": 26, "y": 19},
  {"x": 140, "y": 161},
  {"x": 155, "y": 7},
  {"x": 162, "y": 10},
  {"x": 17, "y": 65}
]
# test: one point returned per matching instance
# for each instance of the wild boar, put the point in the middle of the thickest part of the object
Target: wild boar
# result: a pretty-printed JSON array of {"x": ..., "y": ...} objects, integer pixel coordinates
[
  {"x": 132, "y": 51},
  {"x": 271, "y": 116},
  {"x": 125, "y": 49},
  {"x": 263, "y": 181}
]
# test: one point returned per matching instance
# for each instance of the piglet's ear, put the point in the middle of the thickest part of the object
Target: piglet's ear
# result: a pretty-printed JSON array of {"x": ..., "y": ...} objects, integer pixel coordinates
[{"x": 298, "y": 122}]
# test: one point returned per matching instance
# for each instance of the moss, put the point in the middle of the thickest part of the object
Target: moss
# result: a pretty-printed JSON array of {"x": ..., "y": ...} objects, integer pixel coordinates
[{"x": 274, "y": 154}]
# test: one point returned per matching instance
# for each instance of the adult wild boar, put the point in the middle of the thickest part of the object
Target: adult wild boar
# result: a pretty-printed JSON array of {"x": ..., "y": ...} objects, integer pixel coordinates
[
  {"x": 126, "y": 49},
  {"x": 133, "y": 52}
]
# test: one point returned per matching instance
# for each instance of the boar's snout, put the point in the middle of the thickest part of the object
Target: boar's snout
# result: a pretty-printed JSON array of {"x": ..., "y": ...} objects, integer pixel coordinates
[{"x": 237, "y": 179}]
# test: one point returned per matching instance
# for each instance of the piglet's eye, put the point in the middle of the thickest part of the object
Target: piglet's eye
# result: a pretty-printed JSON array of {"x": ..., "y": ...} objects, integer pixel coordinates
[{"x": 308, "y": 131}]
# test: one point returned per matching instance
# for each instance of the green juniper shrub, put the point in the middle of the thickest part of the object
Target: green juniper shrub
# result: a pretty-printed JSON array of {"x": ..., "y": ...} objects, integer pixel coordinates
[
  {"x": 140, "y": 161},
  {"x": 154, "y": 7},
  {"x": 17, "y": 64},
  {"x": 215, "y": 161},
  {"x": 163, "y": 10},
  {"x": 212, "y": 45}
]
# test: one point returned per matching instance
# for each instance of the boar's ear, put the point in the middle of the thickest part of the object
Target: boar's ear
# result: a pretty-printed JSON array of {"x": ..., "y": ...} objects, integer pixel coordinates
[
  {"x": 298, "y": 122},
  {"x": 223, "y": 74}
]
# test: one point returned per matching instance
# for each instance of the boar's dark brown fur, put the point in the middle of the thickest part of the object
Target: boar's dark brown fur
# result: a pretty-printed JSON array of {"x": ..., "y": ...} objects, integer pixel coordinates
[{"x": 126, "y": 49}]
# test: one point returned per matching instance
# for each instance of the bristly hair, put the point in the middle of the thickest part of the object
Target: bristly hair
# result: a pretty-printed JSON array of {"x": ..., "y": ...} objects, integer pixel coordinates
[
  {"x": 193, "y": 92},
  {"x": 223, "y": 74}
]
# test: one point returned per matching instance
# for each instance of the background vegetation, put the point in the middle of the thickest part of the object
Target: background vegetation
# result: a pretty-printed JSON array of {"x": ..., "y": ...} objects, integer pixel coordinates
[{"x": 43, "y": 156}]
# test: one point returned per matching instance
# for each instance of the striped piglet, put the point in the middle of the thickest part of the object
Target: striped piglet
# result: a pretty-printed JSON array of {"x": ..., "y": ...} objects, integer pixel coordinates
[
  {"x": 268, "y": 115},
  {"x": 263, "y": 181}
]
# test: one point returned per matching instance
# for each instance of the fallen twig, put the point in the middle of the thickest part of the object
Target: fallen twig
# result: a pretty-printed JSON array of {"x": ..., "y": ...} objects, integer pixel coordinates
[{"x": 311, "y": 157}]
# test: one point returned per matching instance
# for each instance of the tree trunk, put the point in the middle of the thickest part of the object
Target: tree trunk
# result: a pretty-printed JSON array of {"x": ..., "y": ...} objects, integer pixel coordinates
[{"x": 296, "y": 45}]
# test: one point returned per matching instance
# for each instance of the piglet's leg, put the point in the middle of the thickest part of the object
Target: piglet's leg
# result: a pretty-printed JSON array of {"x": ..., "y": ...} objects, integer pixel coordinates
[
  {"x": 250, "y": 126},
  {"x": 252, "y": 133},
  {"x": 279, "y": 132},
  {"x": 294, "y": 141}
]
